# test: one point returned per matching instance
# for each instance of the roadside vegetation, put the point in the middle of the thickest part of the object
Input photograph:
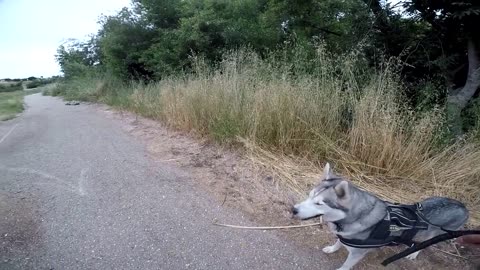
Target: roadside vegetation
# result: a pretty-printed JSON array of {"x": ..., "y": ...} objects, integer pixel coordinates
[
  {"x": 298, "y": 86},
  {"x": 10, "y": 86},
  {"x": 12, "y": 92},
  {"x": 39, "y": 82},
  {"x": 11, "y": 103}
]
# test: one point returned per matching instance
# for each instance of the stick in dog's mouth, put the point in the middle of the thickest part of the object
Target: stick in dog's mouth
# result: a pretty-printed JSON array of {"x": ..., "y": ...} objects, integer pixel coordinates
[
  {"x": 309, "y": 218},
  {"x": 319, "y": 216}
]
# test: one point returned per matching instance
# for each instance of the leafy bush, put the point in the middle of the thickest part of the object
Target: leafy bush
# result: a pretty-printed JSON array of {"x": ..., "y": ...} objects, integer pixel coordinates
[
  {"x": 38, "y": 82},
  {"x": 11, "y": 87}
]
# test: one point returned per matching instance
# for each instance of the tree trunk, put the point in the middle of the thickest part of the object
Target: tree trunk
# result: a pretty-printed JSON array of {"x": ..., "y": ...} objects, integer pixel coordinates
[{"x": 458, "y": 100}]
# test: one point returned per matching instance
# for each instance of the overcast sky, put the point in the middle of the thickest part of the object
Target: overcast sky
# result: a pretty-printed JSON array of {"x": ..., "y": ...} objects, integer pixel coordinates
[{"x": 32, "y": 30}]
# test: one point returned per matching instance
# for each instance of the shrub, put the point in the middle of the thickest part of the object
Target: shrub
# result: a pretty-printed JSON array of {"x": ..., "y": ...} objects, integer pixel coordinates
[{"x": 11, "y": 87}]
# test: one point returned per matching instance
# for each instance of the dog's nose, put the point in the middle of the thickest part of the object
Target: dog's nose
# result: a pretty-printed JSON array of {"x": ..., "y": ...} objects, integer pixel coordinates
[{"x": 294, "y": 210}]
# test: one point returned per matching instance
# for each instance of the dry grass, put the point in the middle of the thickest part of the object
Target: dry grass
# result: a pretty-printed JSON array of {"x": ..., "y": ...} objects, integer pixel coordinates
[
  {"x": 459, "y": 182},
  {"x": 296, "y": 116}
]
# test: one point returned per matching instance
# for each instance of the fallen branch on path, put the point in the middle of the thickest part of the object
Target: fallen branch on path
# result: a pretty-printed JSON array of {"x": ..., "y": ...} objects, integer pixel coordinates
[{"x": 268, "y": 227}]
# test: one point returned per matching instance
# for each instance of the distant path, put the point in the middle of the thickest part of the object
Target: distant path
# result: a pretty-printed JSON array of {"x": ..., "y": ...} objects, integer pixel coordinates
[{"x": 76, "y": 192}]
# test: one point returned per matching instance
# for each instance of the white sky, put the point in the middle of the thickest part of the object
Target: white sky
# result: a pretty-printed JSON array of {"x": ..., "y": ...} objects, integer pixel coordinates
[{"x": 32, "y": 30}]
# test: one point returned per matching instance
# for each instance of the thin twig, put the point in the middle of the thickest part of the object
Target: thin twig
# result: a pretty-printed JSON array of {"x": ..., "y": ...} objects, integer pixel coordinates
[
  {"x": 456, "y": 249},
  {"x": 225, "y": 199},
  {"x": 449, "y": 253},
  {"x": 172, "y": 159},
  {"x": 268, "y": 227}
]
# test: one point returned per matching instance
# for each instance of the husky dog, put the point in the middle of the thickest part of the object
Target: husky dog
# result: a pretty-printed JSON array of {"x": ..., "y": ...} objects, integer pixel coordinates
[{"x": 362, "y": 221}]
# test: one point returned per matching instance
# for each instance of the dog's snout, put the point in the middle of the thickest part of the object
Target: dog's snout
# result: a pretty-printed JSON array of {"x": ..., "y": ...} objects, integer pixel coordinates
[{"x": 294, "y": 210}]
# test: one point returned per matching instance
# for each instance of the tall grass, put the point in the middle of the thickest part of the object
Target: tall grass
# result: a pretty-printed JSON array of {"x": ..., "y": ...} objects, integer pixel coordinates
[{"x": 319, "y": 108}]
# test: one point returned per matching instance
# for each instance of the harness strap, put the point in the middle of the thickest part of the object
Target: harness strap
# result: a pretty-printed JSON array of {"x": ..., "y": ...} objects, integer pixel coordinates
[
  {"x": 431, "y": 241},
  {"x": 399, "y": 226},
  {"x": 368, "y": 243}
]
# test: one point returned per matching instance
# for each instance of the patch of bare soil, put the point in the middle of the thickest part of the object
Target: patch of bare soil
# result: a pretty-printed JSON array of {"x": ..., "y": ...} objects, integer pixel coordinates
[
  {"x": 20, "y": 233},
  {"x": 238, "y": 183}
]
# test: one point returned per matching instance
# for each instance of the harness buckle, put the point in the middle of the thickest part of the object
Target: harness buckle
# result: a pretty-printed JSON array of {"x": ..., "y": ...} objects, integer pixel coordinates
[{"x": 395, "y": 228}]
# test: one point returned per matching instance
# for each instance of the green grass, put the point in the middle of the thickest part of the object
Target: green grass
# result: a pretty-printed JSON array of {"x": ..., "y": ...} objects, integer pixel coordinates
[{"x": 11, "y": 103}]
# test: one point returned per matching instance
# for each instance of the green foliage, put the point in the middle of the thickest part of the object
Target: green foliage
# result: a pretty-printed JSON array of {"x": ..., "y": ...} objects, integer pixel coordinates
[
  {"x": 94, "y": 87},
  {"x": 54, "y": 90},
  {"x": 39, "y": 82},
  {"x": 164, "y": 14},
  {"x": 77, "y": 59},
  {"x": 122, "y": 39},
  {"x": 342, "y": 24},
  {"x": 471, "y": 118},
  {"x": 157, "y": 38},
  {"x": 11, "y": 104}
]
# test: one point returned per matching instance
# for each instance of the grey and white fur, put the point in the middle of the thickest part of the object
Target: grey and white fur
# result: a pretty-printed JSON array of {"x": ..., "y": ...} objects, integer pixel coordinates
[{"x": 356, "y": 212}]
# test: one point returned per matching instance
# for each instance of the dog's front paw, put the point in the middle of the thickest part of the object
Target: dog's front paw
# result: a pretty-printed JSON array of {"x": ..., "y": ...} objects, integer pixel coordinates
[
  {"x": 413, "y": 256},
  {"x": 329, "y": 249}
]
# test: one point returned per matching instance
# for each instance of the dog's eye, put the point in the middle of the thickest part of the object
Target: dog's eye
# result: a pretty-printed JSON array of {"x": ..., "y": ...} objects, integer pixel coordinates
[{"x": 319, "y": 203}]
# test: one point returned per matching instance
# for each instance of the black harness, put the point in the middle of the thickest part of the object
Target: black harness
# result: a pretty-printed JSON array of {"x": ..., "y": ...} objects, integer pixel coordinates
[{"x": 399, "y": 226}]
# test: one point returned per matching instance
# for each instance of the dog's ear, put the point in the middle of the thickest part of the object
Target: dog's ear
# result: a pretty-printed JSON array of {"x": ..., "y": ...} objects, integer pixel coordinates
[
  {"x": 327, "y": 173},
  {"x": 342, "y": 189}
]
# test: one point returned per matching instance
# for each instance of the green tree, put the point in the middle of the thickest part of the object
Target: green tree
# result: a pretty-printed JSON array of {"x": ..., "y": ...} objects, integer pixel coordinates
[
  {"x": 341, "y": 24},
  {"x": 76, "y": 58},
  {"x": 122, "y": 40}
]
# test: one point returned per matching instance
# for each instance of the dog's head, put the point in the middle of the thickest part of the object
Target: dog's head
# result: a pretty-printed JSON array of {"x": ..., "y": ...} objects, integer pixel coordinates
[{"x": 329, "y": 199}]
